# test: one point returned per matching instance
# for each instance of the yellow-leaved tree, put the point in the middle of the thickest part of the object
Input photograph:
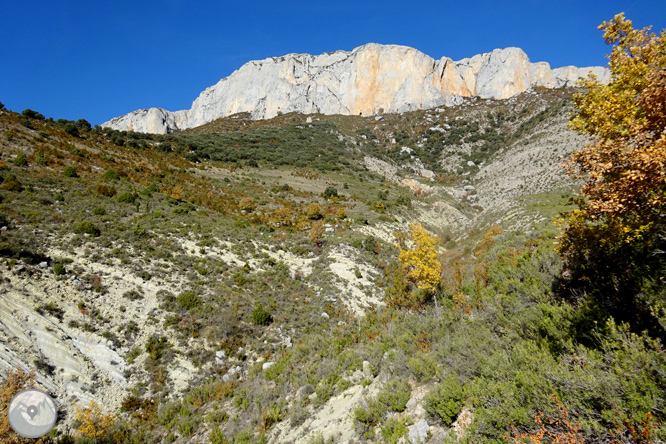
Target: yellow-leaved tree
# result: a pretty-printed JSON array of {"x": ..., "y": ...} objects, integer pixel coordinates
[
  {"x": 421, "y": 268},
  {"x": 93, "y": 421},
  {"x": 613, "y": 242}
]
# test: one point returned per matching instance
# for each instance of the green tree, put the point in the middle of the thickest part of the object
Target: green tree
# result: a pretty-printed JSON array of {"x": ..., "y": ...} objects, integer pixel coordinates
[
  {"x": 71, "y": 129},
  {"x": 32, "y": 114}
]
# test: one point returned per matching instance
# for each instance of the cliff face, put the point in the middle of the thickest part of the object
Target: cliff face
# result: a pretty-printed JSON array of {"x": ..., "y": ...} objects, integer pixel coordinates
[{"x": 371, "y": 78}]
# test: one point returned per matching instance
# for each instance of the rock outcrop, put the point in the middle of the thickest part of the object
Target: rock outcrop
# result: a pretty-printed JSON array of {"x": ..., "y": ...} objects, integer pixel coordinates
[{"x": 370, "y": 79}]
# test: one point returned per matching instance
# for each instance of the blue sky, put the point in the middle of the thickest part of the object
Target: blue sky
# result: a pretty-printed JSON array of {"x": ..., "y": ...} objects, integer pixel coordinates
[{"x": 100, "y": 59}]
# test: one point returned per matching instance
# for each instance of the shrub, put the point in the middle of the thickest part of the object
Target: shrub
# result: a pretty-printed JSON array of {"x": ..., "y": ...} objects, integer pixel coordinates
[
  {"x": 164, "y": 147},
  {"x": 189, "y": 300},
  {"x": 156, "y": 346},
  {"x": 11, "y": 183},
  {"x": 371, "y": 244},
  {"x": 132, "y": 295},
  {"x": 395, "y": 428},
  {"x": 70, "y": 171},
  {"x": 87, "y": 228},
  {"x": 370, "y": 416},
  {"x": 59, "y": 197},
  {"x": 261, "y": 316},
  {"x": 446, "y": 401},
  {"x": 83, "y": 124},
  {"x": 138, "y": 230},
  {"x": 93, "y": 421},
  {"x": 248, "y": 204},
  {"x": 314, "y": 212},
  {"x": 71, "y": 129},
  {"x": 395, "y": 395},
  {"x": 105, "y": 190},
  {"x": 99, "y": 211},
  {"x": 20, "y": 160},
  {"x": 127, "y": 198},
  {"x": 110, "y": 176},
  {"x": 59, "y": 269},
  {"x": 330, "y": 192}
]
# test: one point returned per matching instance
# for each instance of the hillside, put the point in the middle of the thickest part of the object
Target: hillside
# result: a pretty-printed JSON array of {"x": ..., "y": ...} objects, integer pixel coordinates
[{"x": 239, "y": 281}]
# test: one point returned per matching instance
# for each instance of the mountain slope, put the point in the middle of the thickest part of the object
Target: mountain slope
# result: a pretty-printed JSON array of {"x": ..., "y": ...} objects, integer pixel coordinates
[{"x": 229, "y": 282}]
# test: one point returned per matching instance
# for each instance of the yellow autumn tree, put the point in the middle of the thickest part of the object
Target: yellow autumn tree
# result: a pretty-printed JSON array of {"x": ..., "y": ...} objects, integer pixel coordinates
[
  {"x": 421, "y": 263},
  {"x": 611, "y": 242},
  {"x": 94, "y": 422}
]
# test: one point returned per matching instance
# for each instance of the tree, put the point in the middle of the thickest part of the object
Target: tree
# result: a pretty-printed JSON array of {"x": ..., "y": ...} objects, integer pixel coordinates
[
  {"x": 32, "y": 114},
  {"x": 612, "y": 242},
  {"x": 94, "y": 423},
  {"x": 330, "y": 192},
  {"x": 71, "y": 129},
  {"x": 421, "y": 263}
]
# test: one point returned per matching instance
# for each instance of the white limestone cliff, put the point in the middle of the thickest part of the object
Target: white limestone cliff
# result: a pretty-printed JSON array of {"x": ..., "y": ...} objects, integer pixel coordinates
[{"x": 372, "y": 77}]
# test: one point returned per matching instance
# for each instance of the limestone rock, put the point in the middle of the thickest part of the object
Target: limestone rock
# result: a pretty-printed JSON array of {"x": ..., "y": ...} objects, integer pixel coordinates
[
  {"x": 418, "y": 433},
  {"x": 267, "y": 365},
  {"x": 153, "y": 120},
  {"x": 370, "y": 79}
]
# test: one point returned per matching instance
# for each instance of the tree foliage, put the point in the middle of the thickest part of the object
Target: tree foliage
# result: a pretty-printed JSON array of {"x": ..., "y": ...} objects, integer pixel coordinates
[
  {"x": 610, "y": 242},
  {"x": 421, "y": 263},
  {"x": 94, "y": 422}
]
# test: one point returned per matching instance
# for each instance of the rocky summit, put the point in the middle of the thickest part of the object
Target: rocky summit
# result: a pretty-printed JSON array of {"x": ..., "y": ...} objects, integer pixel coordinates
[{"x": 369, "y": 80}]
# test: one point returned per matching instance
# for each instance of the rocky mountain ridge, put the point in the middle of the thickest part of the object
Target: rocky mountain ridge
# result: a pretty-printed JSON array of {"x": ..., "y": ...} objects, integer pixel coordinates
[{"x": 371, "y": 79}]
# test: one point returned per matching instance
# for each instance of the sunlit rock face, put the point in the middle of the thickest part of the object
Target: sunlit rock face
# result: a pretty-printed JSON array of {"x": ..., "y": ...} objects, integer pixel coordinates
[{"x": 370, "y": 79}]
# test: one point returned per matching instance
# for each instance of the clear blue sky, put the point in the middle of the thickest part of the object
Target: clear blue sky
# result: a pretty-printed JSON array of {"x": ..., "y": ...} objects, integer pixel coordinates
[{"x": 100, "y": 59}]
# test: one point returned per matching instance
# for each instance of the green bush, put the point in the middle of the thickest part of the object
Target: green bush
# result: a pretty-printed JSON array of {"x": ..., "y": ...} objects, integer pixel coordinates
[
  {"x": 132, "y": 295},
  {"x": 87, "y": 228},
  {"x": 71, "y": 129},
  {"x": 110, "y": 176},
  {"x": 330, "y": 192},
  {"x": 20, "y": 161},
  {"x": 261, "y": 316},
  {"x": 157, "y": 346},
  {"x": 99, "y": 211},
  {"x": 70, "y": 171},
  {"x": 189, "y": 300},
  {"x": 395, "y": 395},
  {"x": 127, "y": 198},
  {"x": 11, "y": 183},
  {"x": 395, "y": 428},
  {"x": 59, "y": 269},
  {"x": 446, "y": 401},
  {"x": 32, "y": 114},
  {"x": 370, "y": 416}
]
